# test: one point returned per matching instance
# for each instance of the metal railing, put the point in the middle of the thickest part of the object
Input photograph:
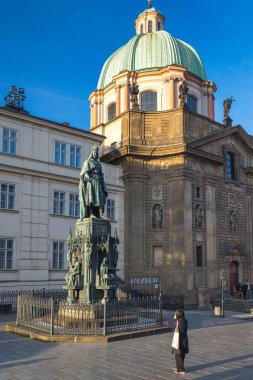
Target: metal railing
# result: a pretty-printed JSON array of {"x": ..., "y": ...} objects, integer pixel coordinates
[
  {"x": 8, "y": 299},
  {"x": 59, "y": 317}
]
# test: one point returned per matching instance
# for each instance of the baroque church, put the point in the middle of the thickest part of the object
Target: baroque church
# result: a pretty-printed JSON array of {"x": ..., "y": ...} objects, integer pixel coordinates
[{"x": 188, "y": 179}]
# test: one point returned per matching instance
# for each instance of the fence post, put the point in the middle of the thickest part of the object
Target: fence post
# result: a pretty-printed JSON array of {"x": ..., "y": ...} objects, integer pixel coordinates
[
  {"x": 52, "y": 316},
  {"x": 161, "y": 307},
  {"x": 18, "y": 308},
  {"x": 105, "y": 307}
]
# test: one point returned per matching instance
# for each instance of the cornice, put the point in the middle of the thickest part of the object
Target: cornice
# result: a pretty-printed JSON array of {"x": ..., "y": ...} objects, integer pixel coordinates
[
  {"x": 50, "y": 125},
  {"x": 36, "y": 173}
]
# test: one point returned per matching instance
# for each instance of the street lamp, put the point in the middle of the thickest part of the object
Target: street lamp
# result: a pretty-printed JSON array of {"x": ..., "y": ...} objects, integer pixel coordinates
[{"x": 223, "y": 277}]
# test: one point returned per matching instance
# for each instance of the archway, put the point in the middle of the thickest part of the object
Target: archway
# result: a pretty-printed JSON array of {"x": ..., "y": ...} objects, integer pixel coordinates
[{"x": 233, "y": 276}]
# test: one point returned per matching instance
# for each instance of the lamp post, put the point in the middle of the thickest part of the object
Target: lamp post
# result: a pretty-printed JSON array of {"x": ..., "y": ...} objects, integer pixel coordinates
[{"x": 223, "y": 277}]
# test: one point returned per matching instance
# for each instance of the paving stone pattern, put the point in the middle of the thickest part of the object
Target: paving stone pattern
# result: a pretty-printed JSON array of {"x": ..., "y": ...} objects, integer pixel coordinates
[{"x": 220, "y": 349}]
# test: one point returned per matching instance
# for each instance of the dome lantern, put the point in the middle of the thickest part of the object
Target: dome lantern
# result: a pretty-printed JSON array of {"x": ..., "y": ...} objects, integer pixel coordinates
[{"x": 149, "y": 21}]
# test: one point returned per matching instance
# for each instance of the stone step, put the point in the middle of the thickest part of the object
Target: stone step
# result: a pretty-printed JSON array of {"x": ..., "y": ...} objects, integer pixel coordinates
[{"x": 243, "y": 306}]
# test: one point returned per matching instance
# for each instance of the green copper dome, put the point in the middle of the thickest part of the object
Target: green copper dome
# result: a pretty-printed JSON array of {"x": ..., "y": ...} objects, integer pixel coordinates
[{"x": 151, "y": 51}]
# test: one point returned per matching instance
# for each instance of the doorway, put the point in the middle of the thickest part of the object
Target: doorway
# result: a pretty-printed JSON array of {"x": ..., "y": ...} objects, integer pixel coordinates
[{"x": 233, "y": 277}]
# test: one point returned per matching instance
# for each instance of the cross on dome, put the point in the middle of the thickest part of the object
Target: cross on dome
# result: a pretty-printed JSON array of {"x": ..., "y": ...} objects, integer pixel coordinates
[{"x": 149, "y": 3}]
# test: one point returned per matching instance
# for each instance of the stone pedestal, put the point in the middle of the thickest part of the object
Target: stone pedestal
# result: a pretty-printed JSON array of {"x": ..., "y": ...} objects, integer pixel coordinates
[
  {"x": 228, "y": 121},
  {"x": 95, "y": 227},
  {"x": 95, "y": 250},
  {"x": 204, "y": 297}
]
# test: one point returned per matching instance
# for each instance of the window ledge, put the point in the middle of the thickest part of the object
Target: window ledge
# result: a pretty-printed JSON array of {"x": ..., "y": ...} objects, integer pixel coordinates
[
  {"x": 10, "y": 154},
  {"x": 64, "y": 216},
  {"x": 66, "y": 166},
  {"x": 58, "y": 270},
  {"x": 8, "y": 270},
  {"x": 9, "y": 211},
  {"x": 233, "y": 182}
]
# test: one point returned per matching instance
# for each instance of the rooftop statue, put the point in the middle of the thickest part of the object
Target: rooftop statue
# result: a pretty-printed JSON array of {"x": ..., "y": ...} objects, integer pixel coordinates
[
  {"x": 227, "y": 106},
  {"x": 92, "y": 187}
]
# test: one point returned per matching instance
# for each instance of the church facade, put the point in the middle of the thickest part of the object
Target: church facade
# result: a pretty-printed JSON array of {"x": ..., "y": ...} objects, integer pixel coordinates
[{"x": 188, "y": 178}]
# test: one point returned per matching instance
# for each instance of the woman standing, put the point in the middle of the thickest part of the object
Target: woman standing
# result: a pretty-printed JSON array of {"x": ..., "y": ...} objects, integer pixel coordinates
[{"x": 180, "y": 345}]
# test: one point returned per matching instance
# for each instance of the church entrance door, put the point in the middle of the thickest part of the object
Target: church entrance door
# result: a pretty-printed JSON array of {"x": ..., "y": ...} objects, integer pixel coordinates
[{"x": 233, "y": 276}]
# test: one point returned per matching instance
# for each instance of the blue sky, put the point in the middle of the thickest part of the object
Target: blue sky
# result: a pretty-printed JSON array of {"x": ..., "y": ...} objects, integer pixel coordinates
[{"x": 55, "y": 49}]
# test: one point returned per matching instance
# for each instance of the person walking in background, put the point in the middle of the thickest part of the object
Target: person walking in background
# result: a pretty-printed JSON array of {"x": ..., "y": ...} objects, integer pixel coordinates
[
  {"x": 180, "y": 345},
  {"x": 244, "y": 290},
  {"x": 251, "y": 290}
]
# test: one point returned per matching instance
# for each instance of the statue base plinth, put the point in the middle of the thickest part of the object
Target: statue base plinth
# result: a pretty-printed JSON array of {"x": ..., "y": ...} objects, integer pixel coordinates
[
  {"x": 228, "y": 121},
  {"x": 96, "y": 227},
  {"x": 92, "y": 261}
]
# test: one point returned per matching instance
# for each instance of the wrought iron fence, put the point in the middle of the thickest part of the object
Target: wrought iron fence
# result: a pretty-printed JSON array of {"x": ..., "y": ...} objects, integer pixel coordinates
[
  {"x": 59, "y": 317},
  {"x": 8, "y": 299}
]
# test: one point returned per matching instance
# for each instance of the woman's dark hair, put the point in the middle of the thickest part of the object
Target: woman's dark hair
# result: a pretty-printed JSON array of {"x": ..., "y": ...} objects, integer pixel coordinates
[{"x": 179, "y": 314}]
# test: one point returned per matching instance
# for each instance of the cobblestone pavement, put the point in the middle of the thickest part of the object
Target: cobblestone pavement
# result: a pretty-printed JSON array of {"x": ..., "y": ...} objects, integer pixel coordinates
[{"x": 220, "y": 349}]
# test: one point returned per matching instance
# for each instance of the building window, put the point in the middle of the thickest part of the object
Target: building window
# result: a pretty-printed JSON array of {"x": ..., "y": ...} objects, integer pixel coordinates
[
  {"x": 9, "y": 141},
  {"x": 149, "y": 101},
  {"x": 192, "y": 103},
  {"x": 158, "y": 25},
  {"x": 75, "y": 156},
  {"x": 150, "y": 26},
  {"x": 58, "y": 255},
  {"x": 199, "y": 256},
  {"x": 7, "y": 196},
  {"x": 198, "y": 193},
  {"x": 230, "y": 166},
  {"x": 141, "y": 29},
  {"x": 59, "y": 203},
  {"x": 6, "y": 254},
  {"x": 74, "y": 205},
  {"x": 111, "y": 111},
  {"x": 110, "y": 209},
  {"x": 158, "y": 256},
  {"x": 60, "y": 153}
]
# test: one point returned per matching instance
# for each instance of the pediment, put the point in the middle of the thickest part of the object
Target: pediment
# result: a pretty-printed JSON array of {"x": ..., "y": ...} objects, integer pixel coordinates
[{"x": 223, "y": 137}]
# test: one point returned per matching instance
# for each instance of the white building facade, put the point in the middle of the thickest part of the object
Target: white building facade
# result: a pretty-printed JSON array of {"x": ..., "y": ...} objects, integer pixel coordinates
[{"x": 40, "y": 163}]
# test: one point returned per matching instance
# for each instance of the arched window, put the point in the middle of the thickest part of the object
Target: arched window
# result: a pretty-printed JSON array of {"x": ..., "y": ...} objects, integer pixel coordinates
[
  {"x": 149, "y": 101},
  {"x": 158, "y": 25},
  {"x": 141, "y": 29},
  {"x": 150, "y": 26},
  {"x": 192, "y": 103},
  {"x": 111, "y": 111}
]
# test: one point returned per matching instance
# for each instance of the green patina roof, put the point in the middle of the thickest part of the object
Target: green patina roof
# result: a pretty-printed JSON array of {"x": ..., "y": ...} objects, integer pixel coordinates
[{"x": 151, "y": 51}]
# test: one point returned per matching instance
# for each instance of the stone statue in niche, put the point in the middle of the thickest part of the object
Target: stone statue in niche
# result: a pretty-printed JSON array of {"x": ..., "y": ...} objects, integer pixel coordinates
[
  {"x": 183, "y": 92},
  {"x": 198, "y": 216},
  {"x": 104, "y": 272},
  {"x": 134, "y": 91},
  {"x": 74, "y": 270},
  {"x": 232, "y": 221},
  {"x": 157, "y": 216}
]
